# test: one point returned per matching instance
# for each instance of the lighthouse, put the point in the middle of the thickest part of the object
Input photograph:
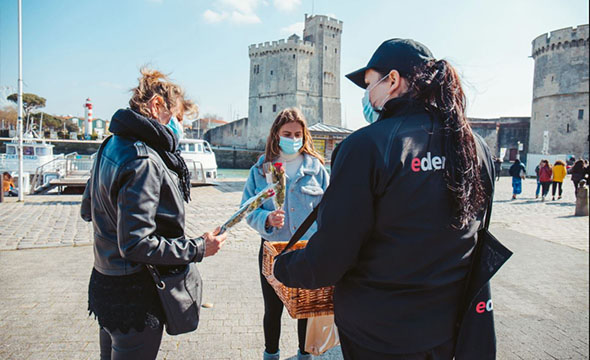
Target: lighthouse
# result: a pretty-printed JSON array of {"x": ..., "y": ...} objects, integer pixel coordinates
[{"x": 87, "y": 118}]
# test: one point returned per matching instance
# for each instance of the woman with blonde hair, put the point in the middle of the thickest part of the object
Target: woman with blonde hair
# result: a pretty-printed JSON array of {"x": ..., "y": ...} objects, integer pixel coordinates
[
  {"x": 135, "y": 200},
  {"x": 289, "y": 143}
]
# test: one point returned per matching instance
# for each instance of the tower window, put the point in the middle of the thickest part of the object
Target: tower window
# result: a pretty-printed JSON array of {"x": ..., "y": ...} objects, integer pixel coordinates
[
  {"x": 580, "y": 114},
  {"x": 274, "y": 107},
  {"x": 260, "y": 108},
  {"x": 568, "y": 128},
  {"x": 326, "y": 47},
  {"x": 271, "y": 72},
  {"x": 336, "y": 50},
  {"x": 293, "y": 56}
]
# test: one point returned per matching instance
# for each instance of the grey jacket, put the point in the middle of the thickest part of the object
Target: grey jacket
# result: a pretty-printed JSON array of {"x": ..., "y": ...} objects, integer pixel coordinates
[{"x": 137, "y": 210}]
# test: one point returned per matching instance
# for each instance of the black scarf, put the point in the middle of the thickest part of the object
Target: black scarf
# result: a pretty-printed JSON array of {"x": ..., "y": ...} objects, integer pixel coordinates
[{"x": 130, "y": 124}]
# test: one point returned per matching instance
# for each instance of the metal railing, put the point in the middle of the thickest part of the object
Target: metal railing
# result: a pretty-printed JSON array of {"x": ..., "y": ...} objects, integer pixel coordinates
[{"x": 70, "y": 164}]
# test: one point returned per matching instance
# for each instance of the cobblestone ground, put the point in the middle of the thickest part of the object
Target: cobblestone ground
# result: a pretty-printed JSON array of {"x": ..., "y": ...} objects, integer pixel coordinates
[
  {"x": 550, "y": 220},
  {"x": 541, "y": 295}
]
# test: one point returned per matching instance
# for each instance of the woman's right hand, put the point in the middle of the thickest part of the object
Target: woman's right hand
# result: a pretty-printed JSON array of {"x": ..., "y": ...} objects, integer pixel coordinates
[
  {"x": 213, "y": 241},
  {"x": 276, "y": 219}
]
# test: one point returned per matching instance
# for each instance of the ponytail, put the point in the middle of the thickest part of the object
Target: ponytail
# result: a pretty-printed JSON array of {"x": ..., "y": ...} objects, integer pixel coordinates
[{"x": 437, "y": 84}]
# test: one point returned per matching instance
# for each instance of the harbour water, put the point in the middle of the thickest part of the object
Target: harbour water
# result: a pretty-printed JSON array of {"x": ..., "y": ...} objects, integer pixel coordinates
[{"x": 232, "y": 173}]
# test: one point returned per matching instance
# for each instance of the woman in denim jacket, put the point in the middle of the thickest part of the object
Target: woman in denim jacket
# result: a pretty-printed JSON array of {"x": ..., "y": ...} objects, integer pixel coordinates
[{"x": 289, "y": 143}]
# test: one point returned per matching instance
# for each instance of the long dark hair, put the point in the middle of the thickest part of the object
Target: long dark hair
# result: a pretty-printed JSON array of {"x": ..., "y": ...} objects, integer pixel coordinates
[{"x": 437, "y": 84}]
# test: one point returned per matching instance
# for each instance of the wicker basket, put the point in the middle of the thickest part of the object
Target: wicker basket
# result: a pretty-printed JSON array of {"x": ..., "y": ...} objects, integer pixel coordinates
[{"x": 300, "y": 303}]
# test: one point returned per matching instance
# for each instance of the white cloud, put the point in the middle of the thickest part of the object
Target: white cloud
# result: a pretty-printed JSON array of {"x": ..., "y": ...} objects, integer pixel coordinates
[
  {"x": 244, "y": 18},
  {"x": 236, "y": 11},
  {"x": 286, "y": 5},
  {"x": 211, "y": 16},
  {"x": 296, "y": 28}
]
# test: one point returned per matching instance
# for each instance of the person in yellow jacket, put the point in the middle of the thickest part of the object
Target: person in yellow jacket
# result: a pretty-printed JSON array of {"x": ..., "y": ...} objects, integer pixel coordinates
[{"x": 559, "y": 173}]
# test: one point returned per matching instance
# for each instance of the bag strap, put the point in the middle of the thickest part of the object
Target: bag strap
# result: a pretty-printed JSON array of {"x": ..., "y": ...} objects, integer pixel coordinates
[
  {"x": 302, "y": 229},
  {"x": 490, "y": 170}
]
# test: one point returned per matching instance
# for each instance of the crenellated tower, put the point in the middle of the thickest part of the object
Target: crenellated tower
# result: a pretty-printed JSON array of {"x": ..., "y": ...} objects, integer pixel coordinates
[
  {"x": 295, "y": 72},
  {"x": 559, "y": 119}
]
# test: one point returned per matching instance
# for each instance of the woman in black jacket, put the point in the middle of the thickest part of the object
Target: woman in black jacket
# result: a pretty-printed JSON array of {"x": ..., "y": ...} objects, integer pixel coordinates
[
  {"x": 135, "y": 200},
  {"x": 398, "y": 223}
]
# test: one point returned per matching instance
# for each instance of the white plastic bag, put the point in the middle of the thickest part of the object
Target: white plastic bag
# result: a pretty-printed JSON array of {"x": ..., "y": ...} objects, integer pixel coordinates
[{"x": 321, "y": 334}]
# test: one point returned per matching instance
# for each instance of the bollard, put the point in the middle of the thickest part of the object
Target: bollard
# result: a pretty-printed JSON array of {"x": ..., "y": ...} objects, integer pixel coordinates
[
  {"x": 582, "y": 199},
  {"x": 1, "y": 188}
]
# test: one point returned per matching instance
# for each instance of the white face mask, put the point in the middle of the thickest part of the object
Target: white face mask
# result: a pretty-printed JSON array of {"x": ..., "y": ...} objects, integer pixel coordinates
[{"x": 372, "y": 114}]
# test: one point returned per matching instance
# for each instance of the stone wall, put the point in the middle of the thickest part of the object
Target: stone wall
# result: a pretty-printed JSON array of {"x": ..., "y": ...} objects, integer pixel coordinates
[
  {"x": 560, "y": 92},
  {"x": 236, "y": 159},
  {"x": 234, "y": 133},
  {"x": 504, "y": 132}
]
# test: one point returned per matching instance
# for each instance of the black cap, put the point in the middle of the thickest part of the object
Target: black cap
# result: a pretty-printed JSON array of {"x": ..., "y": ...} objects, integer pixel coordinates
[{"x": 395, "y": 54}]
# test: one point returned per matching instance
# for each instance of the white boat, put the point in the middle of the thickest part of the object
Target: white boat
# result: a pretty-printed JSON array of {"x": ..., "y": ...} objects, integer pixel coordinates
[
  {"x": 199, "y": 159},
  {"x": 35, "y": 153}
]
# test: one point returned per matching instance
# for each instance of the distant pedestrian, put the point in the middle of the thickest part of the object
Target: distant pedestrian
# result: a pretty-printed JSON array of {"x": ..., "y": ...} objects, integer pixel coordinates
[
  {"x": 559, "y": 173},
  {"x": 498, "y": 166},
  {"x": 8, "y": 185},
  {"x": 518, "y": 172},
  {"x": 579, "y": 172},
  {"x": 545, "y": 173},
  {"x": 538, "y": 190},
  {"x": 570, "y": 162}
]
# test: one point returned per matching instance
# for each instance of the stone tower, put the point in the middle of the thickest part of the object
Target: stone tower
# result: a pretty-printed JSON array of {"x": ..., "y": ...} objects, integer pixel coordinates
[
  {"x": 295, "y": 73},
  {"x": 559, "y": 119}
]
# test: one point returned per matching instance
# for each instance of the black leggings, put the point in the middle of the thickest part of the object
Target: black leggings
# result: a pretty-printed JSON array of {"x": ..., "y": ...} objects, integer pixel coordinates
[
  {"x": 545, "y": 185},
  {"x": 352, "y": 351},
  {"x": 115, "y": 345},
  {"x": 554, "y": 187},
  {"x": 273, "y": 310}
]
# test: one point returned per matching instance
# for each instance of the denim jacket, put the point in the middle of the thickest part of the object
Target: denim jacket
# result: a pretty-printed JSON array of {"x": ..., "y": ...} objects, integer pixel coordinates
[{"x": 304, "y": 192}]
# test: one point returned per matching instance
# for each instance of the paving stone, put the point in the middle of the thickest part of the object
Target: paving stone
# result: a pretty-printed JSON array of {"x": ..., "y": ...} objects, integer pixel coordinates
[{"x": 540, "y": 296}]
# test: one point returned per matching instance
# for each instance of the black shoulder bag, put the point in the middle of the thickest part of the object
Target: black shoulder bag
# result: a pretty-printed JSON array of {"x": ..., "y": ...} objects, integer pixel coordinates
[{"x": 476, "y": 336}]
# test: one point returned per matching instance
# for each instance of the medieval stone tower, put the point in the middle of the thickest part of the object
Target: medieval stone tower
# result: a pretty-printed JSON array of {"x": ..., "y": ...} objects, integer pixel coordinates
[
  {"x": 559, "y": 119},
  {"x": 296, "y": 72}
]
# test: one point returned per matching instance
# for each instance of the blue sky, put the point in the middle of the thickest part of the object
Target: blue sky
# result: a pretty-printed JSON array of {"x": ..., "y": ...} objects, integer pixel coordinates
[{"x": 74, "y": 49}]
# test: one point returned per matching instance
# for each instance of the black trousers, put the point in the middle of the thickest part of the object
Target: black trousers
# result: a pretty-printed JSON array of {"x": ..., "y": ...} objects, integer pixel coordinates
[
  {"x": 555, "y": 186},
  {"x": 144, "y": 345},
  {"x": 352, "y": 351},
  {"x": 545, "y": 186},
  {"x": 273, "y": 310}
]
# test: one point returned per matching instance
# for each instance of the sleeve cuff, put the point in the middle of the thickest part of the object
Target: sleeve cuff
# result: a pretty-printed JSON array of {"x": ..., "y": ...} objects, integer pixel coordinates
[{"x": 201, "y": 247}]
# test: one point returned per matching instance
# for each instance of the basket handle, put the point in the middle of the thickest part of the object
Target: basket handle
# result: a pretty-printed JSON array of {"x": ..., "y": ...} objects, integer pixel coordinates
[{"x": 302, "y": 229}]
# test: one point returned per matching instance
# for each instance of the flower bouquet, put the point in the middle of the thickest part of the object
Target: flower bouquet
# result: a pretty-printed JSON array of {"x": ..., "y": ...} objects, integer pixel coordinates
[
  {"x": 249, "y": 207},
  {"x": 278, "y": 177}
]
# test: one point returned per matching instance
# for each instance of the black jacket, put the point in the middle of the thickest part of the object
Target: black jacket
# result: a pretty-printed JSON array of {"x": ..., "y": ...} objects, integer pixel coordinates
[
  {"x": 137, "y": 210},
  {"x": 516, "y": 169},
  {"x": 384, "y": 237}
]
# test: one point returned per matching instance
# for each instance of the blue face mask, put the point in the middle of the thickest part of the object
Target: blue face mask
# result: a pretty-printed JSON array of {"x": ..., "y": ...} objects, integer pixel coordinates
[
  {"x": 176, "y": 128},
  {"x": 290, "y": 146},
  {"x": 371, "y": 114}
]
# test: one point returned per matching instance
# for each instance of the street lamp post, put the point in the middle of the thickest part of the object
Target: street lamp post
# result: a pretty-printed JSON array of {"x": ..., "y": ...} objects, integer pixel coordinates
[{"x": 21, "y": 192}]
